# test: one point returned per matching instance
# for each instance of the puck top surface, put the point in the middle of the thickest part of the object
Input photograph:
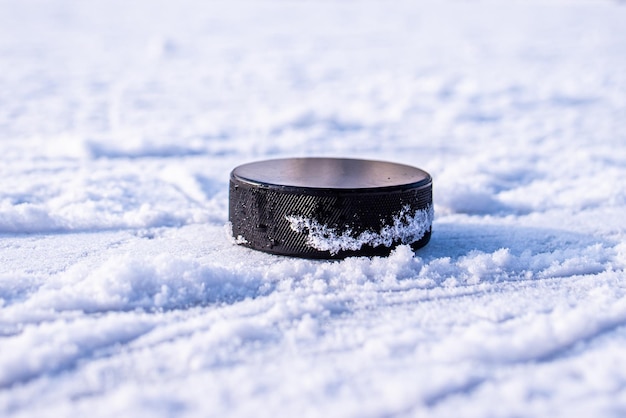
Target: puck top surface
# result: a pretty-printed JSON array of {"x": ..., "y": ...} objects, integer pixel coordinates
[{"x": 330, "y": 173}]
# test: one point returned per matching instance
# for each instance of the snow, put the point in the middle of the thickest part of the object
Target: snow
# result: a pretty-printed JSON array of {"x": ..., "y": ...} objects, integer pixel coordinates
[
  {"x": 121, "y": 293},
  {"x": 406, "y": 228}
]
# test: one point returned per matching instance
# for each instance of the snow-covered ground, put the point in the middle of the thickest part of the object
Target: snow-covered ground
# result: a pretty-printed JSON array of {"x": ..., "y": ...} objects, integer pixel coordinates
[{"x": 122, "y": 295}]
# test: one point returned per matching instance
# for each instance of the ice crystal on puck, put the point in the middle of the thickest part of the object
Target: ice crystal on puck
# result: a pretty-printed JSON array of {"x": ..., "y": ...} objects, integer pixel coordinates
[{"x": 406, "y": 228}]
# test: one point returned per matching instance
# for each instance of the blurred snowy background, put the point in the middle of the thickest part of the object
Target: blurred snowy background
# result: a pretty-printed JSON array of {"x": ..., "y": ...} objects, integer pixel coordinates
[{"x": 120, "y": 293}]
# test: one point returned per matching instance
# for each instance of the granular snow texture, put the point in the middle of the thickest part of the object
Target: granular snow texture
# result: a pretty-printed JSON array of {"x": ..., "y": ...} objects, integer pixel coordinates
[
  {"x": 121, "y": 294},
  {"x": 407, "y": 227}
]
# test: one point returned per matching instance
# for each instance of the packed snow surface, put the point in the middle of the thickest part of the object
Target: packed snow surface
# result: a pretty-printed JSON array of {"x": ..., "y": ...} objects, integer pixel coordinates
[{"x": 121, "y": 294}]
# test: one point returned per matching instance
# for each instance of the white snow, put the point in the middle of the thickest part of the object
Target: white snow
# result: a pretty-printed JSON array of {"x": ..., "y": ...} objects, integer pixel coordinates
[
  {"x": 406, "y": 228},
  {"x": 122, "y": 294}
]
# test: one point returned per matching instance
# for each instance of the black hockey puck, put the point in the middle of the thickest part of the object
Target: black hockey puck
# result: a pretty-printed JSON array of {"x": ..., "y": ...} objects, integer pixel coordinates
[{"x": 330, "y": 207}]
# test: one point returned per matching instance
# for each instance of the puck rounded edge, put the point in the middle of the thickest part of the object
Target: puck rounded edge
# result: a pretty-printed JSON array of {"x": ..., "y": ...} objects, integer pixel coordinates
[{"x": 333, "y": 208}]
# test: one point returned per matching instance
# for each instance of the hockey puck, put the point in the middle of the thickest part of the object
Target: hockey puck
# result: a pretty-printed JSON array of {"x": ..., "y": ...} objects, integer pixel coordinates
[{"x": 330, "y": 207}]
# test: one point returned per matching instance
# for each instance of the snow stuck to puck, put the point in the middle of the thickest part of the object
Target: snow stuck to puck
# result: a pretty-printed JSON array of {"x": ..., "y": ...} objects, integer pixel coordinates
[{"x": 330, "y": 207}]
